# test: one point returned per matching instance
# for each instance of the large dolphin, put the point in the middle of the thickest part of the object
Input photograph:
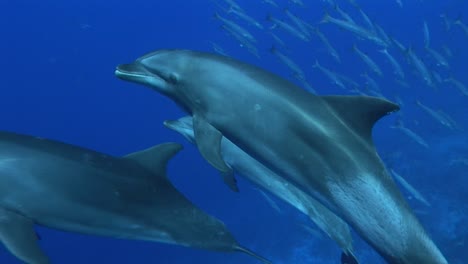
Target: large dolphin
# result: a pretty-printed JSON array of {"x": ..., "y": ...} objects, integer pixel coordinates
[
  {"x": 323, "y": 144},
  {"x": 74, "y": 189},
  {"x": 257, "y": 173}
]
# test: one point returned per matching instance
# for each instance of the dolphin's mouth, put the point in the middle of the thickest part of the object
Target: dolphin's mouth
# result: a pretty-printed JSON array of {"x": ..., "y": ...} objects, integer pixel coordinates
[
  {"x": 178, "y": 124},
  {"x": 130, "y": 71},
  {"x": 135, "y": 72}
]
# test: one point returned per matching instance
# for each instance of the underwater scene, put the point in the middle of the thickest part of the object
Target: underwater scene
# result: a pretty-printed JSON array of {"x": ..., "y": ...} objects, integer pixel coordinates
[{"x": 234, "y": 131}]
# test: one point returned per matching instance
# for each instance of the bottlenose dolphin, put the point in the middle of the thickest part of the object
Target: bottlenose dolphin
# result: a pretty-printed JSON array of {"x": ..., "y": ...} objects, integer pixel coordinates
[
  {"x": 323, "y": 144},
  {"x": 257, "y": 173},
  {"x": 74, "y": 189}
]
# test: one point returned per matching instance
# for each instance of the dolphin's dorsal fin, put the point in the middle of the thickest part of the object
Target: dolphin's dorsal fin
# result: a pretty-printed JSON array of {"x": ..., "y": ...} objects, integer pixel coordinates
[
  {"x": 361, "y": 112},
  {"x": 155, "y": 158}
]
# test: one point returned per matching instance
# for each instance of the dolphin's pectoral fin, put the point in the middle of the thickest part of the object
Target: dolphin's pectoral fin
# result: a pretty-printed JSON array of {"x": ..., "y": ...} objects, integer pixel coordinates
[
  {"x": 38, "y": 236},
  {"x": 230, "y": 180},
  {"x": 208, "y": 140},
  {"x": 19, "y": 237},
  {"x": 251, "y": 253},
  {"x": 348, "y": 258}
]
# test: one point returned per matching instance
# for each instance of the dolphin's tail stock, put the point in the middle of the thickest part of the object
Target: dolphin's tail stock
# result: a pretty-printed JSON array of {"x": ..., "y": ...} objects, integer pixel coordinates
[{"x": 251, "y": 253}]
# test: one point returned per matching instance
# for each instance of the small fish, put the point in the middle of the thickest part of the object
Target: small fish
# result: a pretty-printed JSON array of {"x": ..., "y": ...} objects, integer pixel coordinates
[
  {"x": 441, "y": 61},
  {"x": 344, "y": 14},
  {"x": 369, "y": 23},
  {"x": 271, "y": 2},
  {"x": 459, "y": 161},
  {"x": 329, "y": 2},
  {"x": 288, "y": 28},
  {"x": 374, "y": 93},
  {"x": 439, "y": 116},
  {"x": 459, "y": 85},
  {"x": 233, "y": 4},
  {"x": 347, "y": 80},
  {"x": 217, "y": 48},
  {"x": 447, "y": 22},
  {"x": 327, "y": 44},
  {"x": 331, "y": 75},
  {"x": 297, "y": 2},
  {"x": 436, "y": 76},
  {"x": 234, "y": 27},
  {"x": 278, "y": 40},
  {"x": 396, "y": 66},
  {"x": 243, "y": 42},
  {"x": 305, "y": 84},
  {"x": 242, "y": 15},
  {"x": 420, "y": 67},
  {"x": 371, "y": 84},
  {"x": 368, "y": 61},
  {"x": 295, "y": 69},
  {"x": 427, "y": 37},
  {"x": 448, "y": 52},
  {"x": 300, "y": 24},
  {"x": 462, "y": 25},
  {"x": 357, "y": 30},
  {"x": 418, "y": 139},
  {"x": 383, "y": 34},
  {"x": 352, "y": 2},
  {"x": 400, "y": 46},
  {"x": 415, "y": 193}
]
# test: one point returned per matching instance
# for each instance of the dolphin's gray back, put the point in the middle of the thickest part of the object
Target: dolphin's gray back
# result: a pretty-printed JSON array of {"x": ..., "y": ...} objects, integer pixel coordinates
[
  {"x": 321, "y": 144},
  {"x": 97, "y": 185},
  {"x": 75, "y": 189}
]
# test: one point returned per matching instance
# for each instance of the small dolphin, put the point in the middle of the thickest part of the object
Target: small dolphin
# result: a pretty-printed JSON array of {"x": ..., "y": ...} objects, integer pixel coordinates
[
  {"x": 256, "y": 172},
  {"x": 322, "y": 144},
  {"x": 74, "y": 189}
]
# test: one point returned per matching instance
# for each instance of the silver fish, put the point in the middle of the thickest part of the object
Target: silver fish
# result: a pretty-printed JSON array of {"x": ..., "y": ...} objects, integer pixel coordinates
[
  {"x": 395, "y": 65},
  {"x": 368, "y": 61},
  {"x": 415, "y": 193}
]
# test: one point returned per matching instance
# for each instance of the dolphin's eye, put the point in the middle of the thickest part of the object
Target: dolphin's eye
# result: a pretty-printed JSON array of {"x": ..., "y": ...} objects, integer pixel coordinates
[{"x": 173, "y": 78}]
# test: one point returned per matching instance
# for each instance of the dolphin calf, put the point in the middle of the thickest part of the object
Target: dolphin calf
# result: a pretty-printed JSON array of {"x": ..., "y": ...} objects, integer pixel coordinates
[
  {"x": 61, "y": 186},
  {"x": 257, "y": 173},
  {"x": 322, "y": 144}
]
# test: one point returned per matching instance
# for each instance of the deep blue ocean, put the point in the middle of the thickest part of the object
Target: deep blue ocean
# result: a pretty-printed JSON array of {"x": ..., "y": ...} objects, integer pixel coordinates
[{"x": 57, "y": 81}]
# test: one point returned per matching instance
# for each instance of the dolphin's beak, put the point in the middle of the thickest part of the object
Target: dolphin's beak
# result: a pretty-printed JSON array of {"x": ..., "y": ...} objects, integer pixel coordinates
[
  {"x": 136, "y": 72},
  {"x": 130, "y": 71},
  {"x": 184, "y": 128}
]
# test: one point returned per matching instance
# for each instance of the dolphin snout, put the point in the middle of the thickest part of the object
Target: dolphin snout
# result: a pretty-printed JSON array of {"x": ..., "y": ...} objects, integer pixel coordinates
[{"x": 123, "y": 71}]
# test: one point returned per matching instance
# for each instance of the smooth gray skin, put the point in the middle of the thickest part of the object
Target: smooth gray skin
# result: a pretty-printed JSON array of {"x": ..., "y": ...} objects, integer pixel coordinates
[
  {"x": 74, "y": 189},
  {"x": 257, "y": 173},
  {"x": 323, "y": 144}
]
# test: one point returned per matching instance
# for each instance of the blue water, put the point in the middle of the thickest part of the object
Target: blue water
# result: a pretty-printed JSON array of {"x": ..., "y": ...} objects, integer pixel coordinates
[{"x": 57, "y": 81}]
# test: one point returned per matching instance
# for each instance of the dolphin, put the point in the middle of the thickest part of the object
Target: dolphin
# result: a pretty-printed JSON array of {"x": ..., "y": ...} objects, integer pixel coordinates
[
  {"x": 257, "y": 173},
  {"x": 322, "y": 144},
  {"x": 70, "y": 188}
]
